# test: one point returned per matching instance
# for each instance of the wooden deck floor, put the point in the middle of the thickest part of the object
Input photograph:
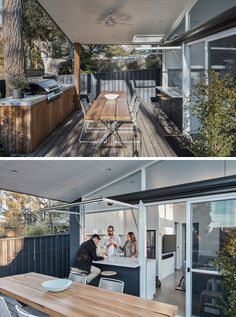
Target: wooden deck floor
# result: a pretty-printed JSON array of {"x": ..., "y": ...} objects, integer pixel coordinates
[{"x": 64, "y": 141}]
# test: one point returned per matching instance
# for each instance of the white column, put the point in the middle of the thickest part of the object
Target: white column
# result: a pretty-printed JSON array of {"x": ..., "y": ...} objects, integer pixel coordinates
[
  {"x": 142, "y": 240},
  {"x": 164, "y": 70},
  {"x": 186, "y": 80},
  {"x": 188, "y": 273},
  {"x": 186, "y": 86},
  {"x": 142, "y": 250},
  {"x": 82, "y": 223}
]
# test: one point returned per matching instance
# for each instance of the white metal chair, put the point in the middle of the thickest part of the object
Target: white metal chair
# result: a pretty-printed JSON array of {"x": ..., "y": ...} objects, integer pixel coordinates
[
  {"x": 23, "y": 313},
  {"x": 133, "y": 123},
  {"x": 131, "y": 105},
  {"x": 111, "y": 284},
  {"x": 88, "y": 126},
  {"x": 78, "y": 277},
  {"x": 90, "y": 97},
  {"x": 29, "y": 311},
  {"x": 4, "y": 310}
]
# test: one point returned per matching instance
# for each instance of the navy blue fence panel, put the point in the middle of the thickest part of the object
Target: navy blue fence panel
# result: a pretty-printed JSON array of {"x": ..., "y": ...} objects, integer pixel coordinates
[
  {"x": 2, "y": 88},
  {"x": 143, "y": 82},
  {"x": 41, "y": 254}
]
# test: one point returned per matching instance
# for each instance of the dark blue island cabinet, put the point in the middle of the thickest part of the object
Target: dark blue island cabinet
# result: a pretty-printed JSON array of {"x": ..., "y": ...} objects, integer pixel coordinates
[{"x": 128, "y": 271}]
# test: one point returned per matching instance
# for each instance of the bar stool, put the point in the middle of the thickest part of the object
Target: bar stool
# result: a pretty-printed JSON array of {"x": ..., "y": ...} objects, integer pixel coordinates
[{"x": 109, "y": 273}]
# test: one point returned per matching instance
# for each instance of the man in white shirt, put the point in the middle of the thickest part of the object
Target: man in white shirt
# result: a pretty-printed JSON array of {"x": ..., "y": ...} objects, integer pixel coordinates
[{"x": 111, "y": 242}]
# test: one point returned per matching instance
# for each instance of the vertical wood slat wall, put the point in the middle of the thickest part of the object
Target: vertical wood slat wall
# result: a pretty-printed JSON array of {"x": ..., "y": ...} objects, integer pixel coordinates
[
  {"x": 42, "y": 254},
  {"x": 23, "y": 128}
]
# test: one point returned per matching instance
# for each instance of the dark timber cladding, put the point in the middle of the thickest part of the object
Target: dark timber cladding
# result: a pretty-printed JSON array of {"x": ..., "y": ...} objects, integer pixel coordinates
[
  {"x": 221, "y": 22},
  {"x": 222, "y": 185}
]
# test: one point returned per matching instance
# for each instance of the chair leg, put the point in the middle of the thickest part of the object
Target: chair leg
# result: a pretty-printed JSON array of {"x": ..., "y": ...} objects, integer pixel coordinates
[{"x": 82, "y": 132}]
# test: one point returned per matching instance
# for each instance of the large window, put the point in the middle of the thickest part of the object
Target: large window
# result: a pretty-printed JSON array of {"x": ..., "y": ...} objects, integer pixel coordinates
[
  {"x": 213, "y": 228},
  {"x": 222, "y": 55}
]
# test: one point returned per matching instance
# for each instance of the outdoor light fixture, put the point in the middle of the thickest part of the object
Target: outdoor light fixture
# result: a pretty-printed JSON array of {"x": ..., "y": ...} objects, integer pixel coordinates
[
  {"x": 108, "y": 169},
  {"x": 13, "y": 171}
]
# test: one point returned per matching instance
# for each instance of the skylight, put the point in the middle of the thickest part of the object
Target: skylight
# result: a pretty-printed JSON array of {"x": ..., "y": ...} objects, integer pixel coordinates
[{"x": 139, "y": 39}]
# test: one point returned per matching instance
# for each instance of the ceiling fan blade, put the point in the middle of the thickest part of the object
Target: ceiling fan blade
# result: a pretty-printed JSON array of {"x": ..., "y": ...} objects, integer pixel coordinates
[
  {"x": 120, "y": 16},
  {"x": 124, "y": 23}
]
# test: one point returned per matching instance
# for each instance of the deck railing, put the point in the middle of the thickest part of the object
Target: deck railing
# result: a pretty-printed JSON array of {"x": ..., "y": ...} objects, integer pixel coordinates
[
  {"x": 42, "y": 254},
  {"x": 143, "y": 82}
]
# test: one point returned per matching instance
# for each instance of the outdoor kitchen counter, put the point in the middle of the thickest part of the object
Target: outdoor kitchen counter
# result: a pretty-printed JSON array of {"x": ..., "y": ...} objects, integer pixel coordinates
[
  {"x": 120, "y": 261},
  {"x": 128, "y": 271},
  {"x": 29, "y": 100},
  {"x": 25, "y": 123},
  {"x": 170, "y": 91}
]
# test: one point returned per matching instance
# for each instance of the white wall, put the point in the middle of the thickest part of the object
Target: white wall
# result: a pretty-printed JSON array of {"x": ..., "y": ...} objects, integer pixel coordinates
[{"x": 173, "y": 214}]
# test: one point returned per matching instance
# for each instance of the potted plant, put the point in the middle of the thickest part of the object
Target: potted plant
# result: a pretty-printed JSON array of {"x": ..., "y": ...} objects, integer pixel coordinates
[
  {"x": 18, "y": 86},
  {"x": 226, "y": 263},
  {"x": 213, "y": 103}
]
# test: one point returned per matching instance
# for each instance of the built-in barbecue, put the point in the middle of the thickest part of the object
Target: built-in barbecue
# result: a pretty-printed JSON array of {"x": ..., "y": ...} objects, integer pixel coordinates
[{"x": 49, "y": 87}]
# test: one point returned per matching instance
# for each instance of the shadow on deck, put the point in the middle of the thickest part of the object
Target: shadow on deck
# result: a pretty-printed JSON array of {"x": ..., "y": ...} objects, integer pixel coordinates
[{"x": 64, "y": 141}]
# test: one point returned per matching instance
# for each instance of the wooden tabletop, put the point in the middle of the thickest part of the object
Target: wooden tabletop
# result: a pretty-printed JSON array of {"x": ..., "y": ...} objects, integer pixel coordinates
[
  {"x": 79, "y": 300},
  {"x": 109, "y": 110}
]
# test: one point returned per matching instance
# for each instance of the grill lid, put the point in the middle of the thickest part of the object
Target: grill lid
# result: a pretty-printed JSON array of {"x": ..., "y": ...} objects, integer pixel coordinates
[{"x": 49, "y": 85}]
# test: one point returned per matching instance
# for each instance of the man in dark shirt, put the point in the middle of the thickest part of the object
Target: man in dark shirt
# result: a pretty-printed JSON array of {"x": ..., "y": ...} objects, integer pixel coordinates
[{"x": 84, "y": 257}]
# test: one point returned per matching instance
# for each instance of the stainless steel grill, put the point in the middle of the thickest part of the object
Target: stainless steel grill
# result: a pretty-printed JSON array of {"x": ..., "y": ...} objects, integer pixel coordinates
[{"x": 49, "y": 87}]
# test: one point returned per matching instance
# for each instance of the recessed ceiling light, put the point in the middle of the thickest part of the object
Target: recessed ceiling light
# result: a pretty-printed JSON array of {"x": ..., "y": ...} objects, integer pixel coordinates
[
  {"x": 13, "y": 171},
  {"x": 132, "y": 182},
  {"x": 74, "y": 188},
  {"x": 108, "y": 169}
]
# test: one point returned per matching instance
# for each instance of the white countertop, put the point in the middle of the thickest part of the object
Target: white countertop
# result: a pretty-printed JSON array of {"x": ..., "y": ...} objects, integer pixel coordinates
[
  {"x": 29, "y": 100},
  {"x": 121, "y": 261},
  {"x": 170, "y": 91}
]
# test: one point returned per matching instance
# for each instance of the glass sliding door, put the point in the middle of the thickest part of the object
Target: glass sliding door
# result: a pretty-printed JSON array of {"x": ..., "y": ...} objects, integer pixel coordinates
[{"x": 212, "y": 225}]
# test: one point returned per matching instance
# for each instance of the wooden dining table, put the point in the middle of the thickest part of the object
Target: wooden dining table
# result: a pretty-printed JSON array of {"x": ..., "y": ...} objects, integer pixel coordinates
[
  {"x": 110, "y": 113},
  {"x": 79, "y": 300}
]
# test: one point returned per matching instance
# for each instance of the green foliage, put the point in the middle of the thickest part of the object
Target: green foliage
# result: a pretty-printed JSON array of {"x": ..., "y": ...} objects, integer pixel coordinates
[
  {"x": 22, "y": 211},
  {"x": 226, "y": 262},
  {"x": 18, "y": 83},
  {"x": 37, "y": 230},
  {"x": 214, "y": 104},
  {"x": 153, "y": 61},
  {"x": 38, "y": 25},
  {"x": 2, "y": 233}
]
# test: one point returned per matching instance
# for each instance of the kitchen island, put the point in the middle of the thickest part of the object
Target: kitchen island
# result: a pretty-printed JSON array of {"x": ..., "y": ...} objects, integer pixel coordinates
[
  {"x": 128, "y": 271},
  {"x": 25, "y": 123}
]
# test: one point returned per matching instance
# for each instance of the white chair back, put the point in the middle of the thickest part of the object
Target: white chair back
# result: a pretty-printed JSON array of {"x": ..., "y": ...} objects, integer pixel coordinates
[
  {"x": 136, "y": 108},
  {"x": 132, "y": 101},
  {"x": 85, "y": 105},
  {"x": 23, "y": 313},
  {"x": 111, "y": 284},
  {"x": 90, "y": 97},
  {"x": 4, "y": 310},
  {"x": 78, "y": 277}
]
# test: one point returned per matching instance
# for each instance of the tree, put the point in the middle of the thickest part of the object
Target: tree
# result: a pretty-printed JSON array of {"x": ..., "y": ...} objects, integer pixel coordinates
[
  {"x": 214, "y": 104},
  {"x": 22, "y": 210},
  {"x": 14, "y": 58},
  {"x": 41, "y": 32},
  {"x": 226, "y": 262}
]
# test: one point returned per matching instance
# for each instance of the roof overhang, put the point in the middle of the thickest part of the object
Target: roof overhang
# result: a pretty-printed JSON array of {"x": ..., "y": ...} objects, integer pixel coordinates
[
  {"x": 78, "y": 19},
  {"x": 64, "y": 180}
]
